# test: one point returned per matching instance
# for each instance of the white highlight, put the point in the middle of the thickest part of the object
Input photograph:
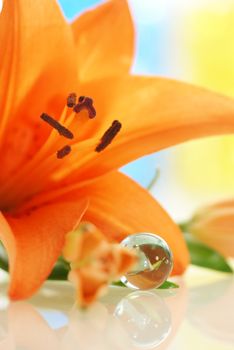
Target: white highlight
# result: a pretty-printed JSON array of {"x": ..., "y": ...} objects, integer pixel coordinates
[
  {"x": 148, "y": 11},
  {"x": 151, "y": 11}
]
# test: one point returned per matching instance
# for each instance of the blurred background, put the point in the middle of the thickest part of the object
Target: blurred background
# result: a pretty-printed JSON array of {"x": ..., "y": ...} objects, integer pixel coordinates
[{"x": 190, "y": 41}]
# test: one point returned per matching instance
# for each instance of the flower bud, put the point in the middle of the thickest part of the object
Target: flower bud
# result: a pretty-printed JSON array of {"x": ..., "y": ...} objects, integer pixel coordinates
[
  {"x": 214, "y": 225},
  {"x": 94, "y": 261}
]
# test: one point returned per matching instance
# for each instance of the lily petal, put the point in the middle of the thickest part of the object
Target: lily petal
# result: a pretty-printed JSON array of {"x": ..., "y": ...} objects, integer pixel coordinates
[
  {"x": 119, "y": 207},
  {"x": 30, "y": 45},
  {"x": 155, "y": 113},
  {"x": 35, "y": 241},
  {"x": 104, "y": 40}
]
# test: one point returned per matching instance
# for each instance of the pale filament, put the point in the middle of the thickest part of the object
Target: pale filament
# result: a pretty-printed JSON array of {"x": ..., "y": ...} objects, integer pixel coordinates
[
  {"x": 70, "y": 146},
  {"x": 30, "y": 165},
  {"x": 38, "y": 172},
  {"x": 47, "y": 171}
]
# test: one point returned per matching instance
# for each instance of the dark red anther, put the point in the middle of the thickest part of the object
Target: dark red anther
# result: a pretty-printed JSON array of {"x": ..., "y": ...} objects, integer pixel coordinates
[
  {"x": 57, "y": 126},
  {"x": 81, "y": 99},
  {"x": 85, "y": 103},
  {"x": 109, "y": 135},
  {"x": 71, "y": 100},
  {"x": 63, "y": 152}
]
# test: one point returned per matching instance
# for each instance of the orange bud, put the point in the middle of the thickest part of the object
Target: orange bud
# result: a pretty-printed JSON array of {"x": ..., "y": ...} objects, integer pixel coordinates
[
  {"x": 214, "y": 225},
  {"x": 94, "y": 262}
]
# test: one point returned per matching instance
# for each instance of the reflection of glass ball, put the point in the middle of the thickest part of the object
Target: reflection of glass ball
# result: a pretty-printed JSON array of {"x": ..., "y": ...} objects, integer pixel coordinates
[
  {"x": 154, "y": 264},
  {"x": 145, "y": 318}
]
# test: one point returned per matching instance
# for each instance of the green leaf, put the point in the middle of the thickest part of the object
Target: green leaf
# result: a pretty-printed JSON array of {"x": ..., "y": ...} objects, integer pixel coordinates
[
  {"x": 165, "y": 285},
  {"x": 3, "y": 259},
  {"x": 118, "y": 284},
  {"x": 204, "y": 256},
  {"x": 168, "y": 285},
  {"x": 60, "y": 270}
]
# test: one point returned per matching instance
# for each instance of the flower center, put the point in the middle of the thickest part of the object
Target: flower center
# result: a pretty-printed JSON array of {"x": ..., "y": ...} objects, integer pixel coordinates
[{"x": 56, "y": 163}]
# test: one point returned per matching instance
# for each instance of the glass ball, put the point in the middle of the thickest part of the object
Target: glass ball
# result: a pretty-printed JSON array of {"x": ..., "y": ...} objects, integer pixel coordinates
[{"x": 154, "y": 264}]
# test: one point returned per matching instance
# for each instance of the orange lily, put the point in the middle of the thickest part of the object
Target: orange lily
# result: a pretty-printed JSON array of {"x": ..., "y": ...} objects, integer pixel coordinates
[{"x": 43, "y": 197}]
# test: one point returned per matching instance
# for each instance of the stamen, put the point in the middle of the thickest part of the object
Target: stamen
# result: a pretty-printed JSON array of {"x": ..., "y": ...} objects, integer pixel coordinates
[
  {"x": 56, "y": 125},
  {"x": 63, "y": 152},
  {"x": 71, "y": 100},
  {"x": 81, "y": 99},
  {"x": 85, "y": 103},
  {"x": 109, "y": 135}
]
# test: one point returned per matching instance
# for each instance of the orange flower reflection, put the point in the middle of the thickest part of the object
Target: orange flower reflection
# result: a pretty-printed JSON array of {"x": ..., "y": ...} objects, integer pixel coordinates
[{"x": 49, "y": 180}]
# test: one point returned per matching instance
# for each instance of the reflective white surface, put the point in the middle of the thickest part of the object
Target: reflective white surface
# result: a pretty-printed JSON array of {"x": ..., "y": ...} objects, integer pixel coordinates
[{"x": 200, "y": 314}]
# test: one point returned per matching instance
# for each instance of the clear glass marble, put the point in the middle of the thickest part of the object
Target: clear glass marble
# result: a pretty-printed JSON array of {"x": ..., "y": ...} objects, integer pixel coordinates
[{"x": 154, "y": 264}]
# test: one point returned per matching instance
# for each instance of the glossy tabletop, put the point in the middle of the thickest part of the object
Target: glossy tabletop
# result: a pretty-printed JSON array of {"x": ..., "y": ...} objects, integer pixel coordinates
[{"x": 198, "y": 315}]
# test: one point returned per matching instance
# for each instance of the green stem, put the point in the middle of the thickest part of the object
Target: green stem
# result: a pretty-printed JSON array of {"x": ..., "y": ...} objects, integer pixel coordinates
[
  {"x": 184, "y": 226},
  {"x": 154, "y": 180}
]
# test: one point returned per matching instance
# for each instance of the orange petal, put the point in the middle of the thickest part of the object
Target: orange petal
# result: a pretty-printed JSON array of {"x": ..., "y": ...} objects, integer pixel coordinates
[
  {"x": 119, "y": 207},
  {"x": 34, "y": 241},
  {"x": 104, "y": 41},
  {"x": 155, "y": 113},
  {"x": 33, "y": 51},
  {"x": 82, "y": 242},
  {"x": 90, "y": 285}
]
